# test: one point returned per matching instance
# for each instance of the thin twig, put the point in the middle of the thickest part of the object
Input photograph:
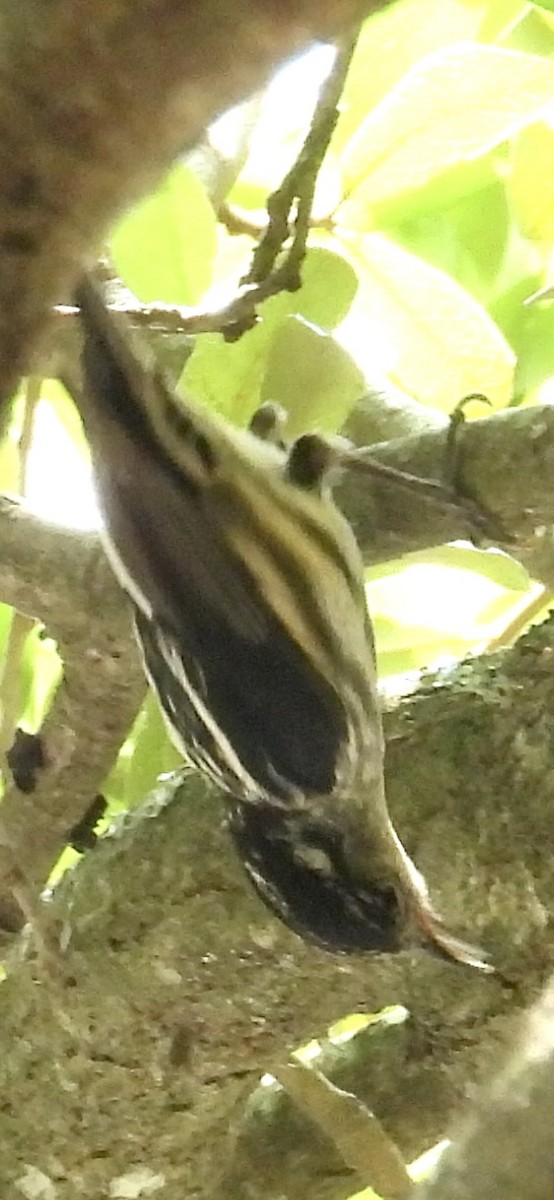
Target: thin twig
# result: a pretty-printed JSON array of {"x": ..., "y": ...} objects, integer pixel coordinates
[
  {"x": 238, "y": 221},
  {"x": 298, "y": 186}
]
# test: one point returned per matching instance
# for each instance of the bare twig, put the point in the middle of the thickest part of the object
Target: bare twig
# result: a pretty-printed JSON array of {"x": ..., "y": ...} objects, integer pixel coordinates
[
  {"x": 237, "y": 221},
  {"x": 298, "y": 186}
]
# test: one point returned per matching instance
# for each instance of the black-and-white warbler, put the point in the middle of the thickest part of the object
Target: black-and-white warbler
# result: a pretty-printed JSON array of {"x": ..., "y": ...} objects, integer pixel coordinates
[{"x": 249, "y": 604}]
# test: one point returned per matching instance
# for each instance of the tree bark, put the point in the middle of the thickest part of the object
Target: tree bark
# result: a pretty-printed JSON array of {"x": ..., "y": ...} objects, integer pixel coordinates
[{"x": 178, "y": 989}]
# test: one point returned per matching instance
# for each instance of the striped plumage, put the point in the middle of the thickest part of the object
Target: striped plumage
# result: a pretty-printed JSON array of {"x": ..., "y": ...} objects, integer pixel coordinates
[{"x": 247, "y": 586}]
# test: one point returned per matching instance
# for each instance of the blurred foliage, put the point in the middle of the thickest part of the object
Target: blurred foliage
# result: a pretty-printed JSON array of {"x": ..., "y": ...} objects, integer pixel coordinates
[{"x": 432, "y": 225}]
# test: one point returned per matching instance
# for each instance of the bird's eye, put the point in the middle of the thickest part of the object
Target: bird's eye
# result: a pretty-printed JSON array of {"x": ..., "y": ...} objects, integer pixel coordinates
[
  {"x": 314, "y": 858},
  {"x": 309, "y": 459}
]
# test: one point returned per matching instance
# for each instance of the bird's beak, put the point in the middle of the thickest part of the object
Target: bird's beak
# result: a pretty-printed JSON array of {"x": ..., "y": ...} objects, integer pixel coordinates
[{"x": 435, "y": 938}]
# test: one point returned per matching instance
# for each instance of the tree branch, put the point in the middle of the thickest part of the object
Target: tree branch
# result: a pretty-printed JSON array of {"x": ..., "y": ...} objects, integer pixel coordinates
[
  {"x": 505, "y": 465},
  {"x": 170, "y": 948},
  {"x": 62, "y": 578},
  {"x": 298, "y": 186}
]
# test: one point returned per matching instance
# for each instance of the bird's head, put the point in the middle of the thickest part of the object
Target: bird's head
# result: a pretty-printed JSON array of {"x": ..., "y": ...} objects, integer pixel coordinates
[{"x": 304, "y": 871}]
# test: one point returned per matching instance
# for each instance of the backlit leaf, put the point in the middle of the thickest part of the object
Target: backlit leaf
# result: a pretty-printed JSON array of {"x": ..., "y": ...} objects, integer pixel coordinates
[
  {"x": 312, "y": 376},
  {"x": 164, "y": 249},
  {"x": 452, "y": 107},
  {"x": 436, "y": 341}
]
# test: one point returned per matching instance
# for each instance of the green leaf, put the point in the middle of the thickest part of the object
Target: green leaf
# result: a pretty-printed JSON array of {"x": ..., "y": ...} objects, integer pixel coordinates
[
  {"x": 457, "y": 183},
  {"x": 329, "y": 285},
  {"x": 395, "y": 39},
  {"x": 531, "y": 183},
  {"x": 367, "y": 1194},
  {"x": 404, "y": 647},
  {"x": 147, "y": 754},
  {"x": 534, "y": 33},
  {"x": 228, "y": 376},
  {"x": 165, "y": 248},
  {"x": 312, "y": 376},
  {"x": 6, "y": 616},
  {"x": 465, "y": 235},
  {"x": 453, "y": 107},
  {"x": 492, "y": 564},
  {"x": 382, "y": 1020},
  {"x": 500, "y": 568},
  {"x": 434, "y": 339},
  {"x": 528, "y": 327},
  {"x": 534, "y": 344},
  {"x": 442, "y": 603},
  {"x": 10, "y": 456},
  {"x": 41, "y": 671},
  {"x": 502, "y": 612}
]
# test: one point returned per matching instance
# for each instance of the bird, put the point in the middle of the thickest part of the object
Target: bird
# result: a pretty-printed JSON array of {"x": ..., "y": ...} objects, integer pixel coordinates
[{"x": 247, "y": 590}]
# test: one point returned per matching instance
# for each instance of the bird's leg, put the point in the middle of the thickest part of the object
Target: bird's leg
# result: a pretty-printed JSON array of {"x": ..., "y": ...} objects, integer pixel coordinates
[
  {"x": 312, "y": 455},
  {"x": 269, "y": 423}
]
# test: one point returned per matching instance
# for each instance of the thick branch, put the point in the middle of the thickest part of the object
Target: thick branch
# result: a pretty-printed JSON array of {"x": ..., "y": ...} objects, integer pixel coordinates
[
  {"x": 170, "y": 950},
  {"x": 62, "y": 578},
  {"x": 506, "y": 464}
]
